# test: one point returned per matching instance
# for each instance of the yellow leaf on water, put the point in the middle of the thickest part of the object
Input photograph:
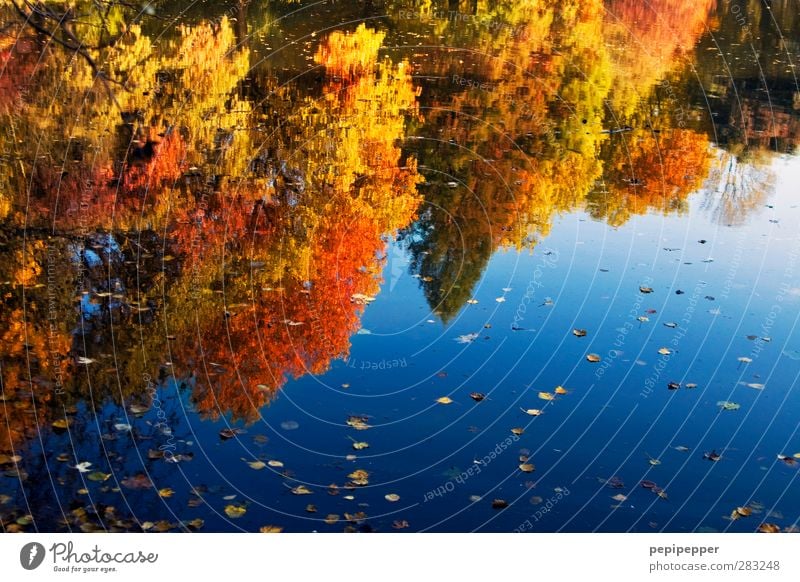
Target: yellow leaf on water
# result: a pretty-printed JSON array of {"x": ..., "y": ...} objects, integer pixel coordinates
[
  {"x": 560, "y": 390},
  {"x": 527, "y": 468},
  {"x": 61, "y": 424},
  {"x": 270, "y": 529},
  {"x": 301, "y": 490},
  {"x": 257, "y": 465},
  {"x": 517, "y": 431},
  {"x": 444, "y": 400},
  {"x": 546, "y": 396},
  {"x": 235, "y": 511},
  {"x": 331, "y": 518},
  {"x": 274, "y": 463},
  {"x": 166, "y": 492},
  {"x": 360, "y": 445},
  {"x": 392, "y": 497},
  {"x": 593, "y": 358},
  {"x": 532, "y": 411}
]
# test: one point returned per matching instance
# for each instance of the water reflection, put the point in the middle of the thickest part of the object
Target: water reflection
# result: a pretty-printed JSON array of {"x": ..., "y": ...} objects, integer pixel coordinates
[{"x": 203, "y": 209}]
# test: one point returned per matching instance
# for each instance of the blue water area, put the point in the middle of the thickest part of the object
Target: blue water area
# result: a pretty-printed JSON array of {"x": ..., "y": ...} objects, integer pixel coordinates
[{"x": 725, "y": 309}]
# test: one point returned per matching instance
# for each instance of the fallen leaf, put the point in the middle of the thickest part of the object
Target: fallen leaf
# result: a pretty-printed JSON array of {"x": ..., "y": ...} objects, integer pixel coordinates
[
  {"x": 235, "y": 511},
  {"x": 331, "y": 518},
  {"x": 301, "y": 490},
  {"x": 531, "y": 412},
  {"x": 712, "y": 456},
  {"x": 444, "y": 400},
  {"x": 527, "y": 468},
  {"x": 359, "y": 446},
  {"x": 166, "y": 492},
  {"x": 275, "y": 463},
  {"x": 477, "y": 396},
  {"x": 593, "y": 358},
  {"x": 140, "y": 481},
  {"x": 61, "y": 424},
  {"x": 392, "y": 497},
  {"x": 311, "y": 508},
  {"x": 664, "y": 351},
  {"x": 257, "y": 465},
  {"x": 499, "y": 504},
  {"x": 546, "y": 396},
  {"x": 560, "y": 390},
  {"x": 98, "y": 476},
  {"x": 517, "y": 431},
  {"x": 769, "y": 528},
  {"x": 399, "y": 524},
  {"x": 619, "y": 497},
  {"x": 648, "y": 484},
  {"x": 725, "y": 405},
  {"x": 579, "y": 332},
  {"x": 270, "y": 529},
  {"x": 646, "y": 289}
]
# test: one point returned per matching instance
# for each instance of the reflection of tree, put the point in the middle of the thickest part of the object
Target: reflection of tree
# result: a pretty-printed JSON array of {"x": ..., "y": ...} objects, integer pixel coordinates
[{"x": 735, "y": 189}]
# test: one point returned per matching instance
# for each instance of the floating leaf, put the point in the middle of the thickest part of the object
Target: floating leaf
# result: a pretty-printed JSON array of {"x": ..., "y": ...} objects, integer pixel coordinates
[
  {"x": 745, "y": 360},
  {"x": 61, "y": 424},
  {"x": 477, "y": 396},
  {"x": 755, "y": 386},
  {"x": 643, "y": 319},
  {"x": 527, "y": 468},
  {"x": 392, "y": 497},
  {"x": 646, "y": 289},
  {"x": 654, "y": 462},
  {"x": 358, "y": 423},
  {"x": 691, "y": 386},
  {"x": 331, "y": 518},
  {"x": 235, "y": 511},
  {"x": 311, "y": 508},
  {"x": 360, "y": 446},
  {"x": 682, "y": 449},
  {"x": 546, "y": 396},
  {"x": 712, "y": 456},
  {"x": 301, "y": 490},
  {"x": 139, "y": 481},
  {"x": 98, "y": 476},
  {"x": 500, "y": 299},
  {"x": 227, "y": 433},
  {"x": 531, "y": 412},
  {"x": 673, "y": 386},
  {"x": 400, "y": 524},
  {"x": 472, "y": 301},
  {"x": 619, "y": 497},
  {"x": 83, "y": 467},
  {"x": 790, "y": 461},
  {"x": 270, "y": 529},
  {"x": 769, "y": 528},
  {"x": 257, "y": 465},
  {"x": 579, "y": 332},
  {"x": 593, "y": 358},
  {"x": 275, "y": 463},
  {"x": 671, "y": 324},
  {"x": 499, "y": 504},
  {"x": 648, "y": 484},
  {"x": 166, "y": 492},
  {"x": 743, "y": 511},
  {"x": 664, "y": 351},
  {"x": 122, "y": 427},
  {"x": 444, "y": 400},
  {"x": 725, "y": 405},
  {"x": 517, "y": 431},
  {"x": 290, "y": 425},
  {"x": 560, "y": 390}
]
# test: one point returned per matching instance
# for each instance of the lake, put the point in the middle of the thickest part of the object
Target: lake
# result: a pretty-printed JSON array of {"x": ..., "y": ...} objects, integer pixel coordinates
[{"x": 400, "y": 266}]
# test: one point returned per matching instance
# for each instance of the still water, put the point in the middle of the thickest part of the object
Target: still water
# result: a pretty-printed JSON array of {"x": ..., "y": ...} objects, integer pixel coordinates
[{"x": 405, "y": 266}]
